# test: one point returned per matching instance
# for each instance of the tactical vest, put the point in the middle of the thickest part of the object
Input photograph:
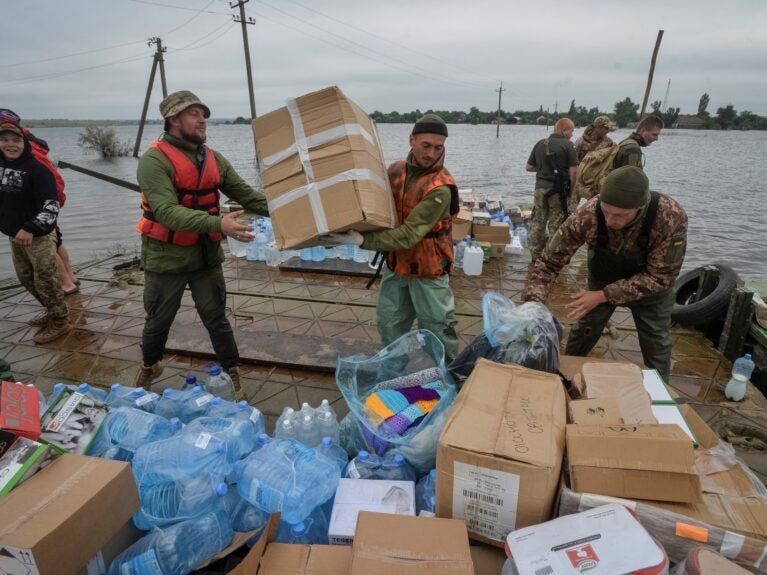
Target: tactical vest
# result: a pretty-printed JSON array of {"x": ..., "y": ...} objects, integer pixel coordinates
[
  {"x": 197, "y": 189},
  {"x": 607, "y": 267},
  {"x": 432, "y": 257}
]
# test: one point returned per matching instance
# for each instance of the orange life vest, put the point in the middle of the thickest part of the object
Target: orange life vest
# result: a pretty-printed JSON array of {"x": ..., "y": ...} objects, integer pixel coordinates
[
  {"x": 432, "y": 257},
  {"x": 197, "y": 188}
]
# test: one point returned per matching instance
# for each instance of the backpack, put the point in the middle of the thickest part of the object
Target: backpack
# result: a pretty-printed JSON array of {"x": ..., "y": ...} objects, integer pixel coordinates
[
  {"x": 40, "y": 152},
  {"x": 593, "y": 170}
]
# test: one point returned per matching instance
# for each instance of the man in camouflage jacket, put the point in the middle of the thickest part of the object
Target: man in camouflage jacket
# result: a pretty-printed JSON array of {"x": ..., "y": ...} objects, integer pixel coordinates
[
  {"x": 594, "y": 137},
  {"x": 635, "y": 255}
]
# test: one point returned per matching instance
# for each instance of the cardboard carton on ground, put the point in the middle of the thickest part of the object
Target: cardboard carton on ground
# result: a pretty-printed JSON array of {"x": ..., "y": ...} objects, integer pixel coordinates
[
  {"x": 500, "y": 453},
  {"x": 488, "y": 560},
  {"x": 72, "y": 421},
  {"x": 462, "y": 225},
  {"x": 19, "y": 409},
  {"x": 497, "y": 250},
  {"x": 21, "y": 461},
  {"x": 57, "y": 520},
  {"x": 481, "y": 217},
  {"x": 624, "y": 382},
  {"x": 599, "y": 411},
  {"x": 634, "y": 461},
  {"x": 388, "y": 544},
  {"x": 283, "y": 559},
  {"x": 494, "y": 232},
  {"x": 322, "y": 169},
  {"x": 356, "y": 495},
  {"x": 124, "y": 538}
]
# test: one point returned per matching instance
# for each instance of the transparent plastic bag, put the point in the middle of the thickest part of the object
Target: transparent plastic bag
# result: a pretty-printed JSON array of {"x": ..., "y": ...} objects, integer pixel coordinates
[
  {"x": 525, "y": 334},
  {"x": 414, "y": 361}
]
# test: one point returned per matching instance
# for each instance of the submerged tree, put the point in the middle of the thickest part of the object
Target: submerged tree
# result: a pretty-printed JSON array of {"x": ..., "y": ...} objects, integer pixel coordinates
[
  {"x": 702, "y": 105},
  {"x": 726, "y": 116},
  {"x": 626, "y": 112},
  {"x": 104, "y": 141}
]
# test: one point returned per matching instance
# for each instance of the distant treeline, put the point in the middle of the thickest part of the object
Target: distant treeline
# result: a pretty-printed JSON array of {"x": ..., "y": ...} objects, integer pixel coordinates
[{"x": 625, "y": 114}]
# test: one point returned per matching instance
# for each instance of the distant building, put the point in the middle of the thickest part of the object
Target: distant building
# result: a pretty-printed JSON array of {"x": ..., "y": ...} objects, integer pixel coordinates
[{"x": 689, "y": 122}]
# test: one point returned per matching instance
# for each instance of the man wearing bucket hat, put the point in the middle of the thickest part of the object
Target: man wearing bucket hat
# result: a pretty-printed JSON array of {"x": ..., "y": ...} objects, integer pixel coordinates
[
  {"x": 594, "y": 137},
  {"x": 419, "y": 252},
  {"x": 29, "y": 208},
  {"x": 181, "y": 229},
  {"x": 636, "y": 241}
]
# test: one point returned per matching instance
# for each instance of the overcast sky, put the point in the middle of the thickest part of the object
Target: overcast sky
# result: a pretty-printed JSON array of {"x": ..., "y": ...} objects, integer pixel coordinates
[{"x": 89, "y": 59}]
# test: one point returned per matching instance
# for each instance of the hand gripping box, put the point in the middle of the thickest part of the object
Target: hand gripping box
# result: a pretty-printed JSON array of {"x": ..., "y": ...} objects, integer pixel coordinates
[
  {"x": 322, "y": 169},
  {"x": 500, "y": 454}
]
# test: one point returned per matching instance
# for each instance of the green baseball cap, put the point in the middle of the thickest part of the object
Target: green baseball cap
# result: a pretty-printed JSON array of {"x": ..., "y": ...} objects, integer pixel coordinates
[
  {"x": 602, "y": 121},
  {"x": 177, "y": 102}
]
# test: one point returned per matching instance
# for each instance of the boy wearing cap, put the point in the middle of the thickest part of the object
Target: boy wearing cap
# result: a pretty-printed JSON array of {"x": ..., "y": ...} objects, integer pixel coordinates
[
  {"x": 594, "y": 137},
  {"x": 419, "y": 252},
  {"x": 181, "y": 227},
  {"x": 636, "y": 241},
  {"x": 28, "y": 211}
]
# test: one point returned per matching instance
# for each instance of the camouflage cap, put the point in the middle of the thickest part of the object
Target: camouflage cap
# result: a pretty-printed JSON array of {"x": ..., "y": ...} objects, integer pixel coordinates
[
  {"x": 177, "y": 102},
  {"x": 602, "y": 121}
]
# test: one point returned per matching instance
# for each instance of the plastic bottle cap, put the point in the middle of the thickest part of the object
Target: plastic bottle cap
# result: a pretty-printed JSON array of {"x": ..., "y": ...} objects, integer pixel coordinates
[
  {"x": 327, "y": 441},
  {"x": 432, "y": 474},
  {"x": 243, "y": 404},
  {"x": 114, "y": 387},
  {"x": 298, "y": 528},
  {"x": 215, "y": 370},
  {"x": 263, "y": 438},
  {"x": 83, "y": 387},
  {"x": 363, "y": 455},
  {"x": 167, "y": 392},
  {"x": 221, "y": 489},
  {"x": 190, "y": 379},
  {"x": 220, "y": 448},
  {"x": 747, "y": 356},
  {"x": 325, "y": 403},
  {"x": 399, "y": 460}
]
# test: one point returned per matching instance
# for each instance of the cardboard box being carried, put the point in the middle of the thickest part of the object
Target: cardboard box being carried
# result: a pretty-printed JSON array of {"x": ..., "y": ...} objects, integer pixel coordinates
[
  {"x": 635, "y": 461},
  {"x": 500, "y": 453},
  {"x": 388, "y": 544},
  {"x": 57, "y": 520},
  {"x": 322, "y": 169}
]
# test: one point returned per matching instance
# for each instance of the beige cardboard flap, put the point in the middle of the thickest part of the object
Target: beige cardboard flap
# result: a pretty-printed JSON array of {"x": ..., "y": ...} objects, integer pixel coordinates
[{"x": 625, "y": 382}]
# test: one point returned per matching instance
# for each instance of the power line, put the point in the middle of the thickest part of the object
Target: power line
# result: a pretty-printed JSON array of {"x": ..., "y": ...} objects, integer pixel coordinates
[
  {"x": 227, "y": 25},
  {"x": 421, "y": 72},
  {"x": 177, "y": 7}
]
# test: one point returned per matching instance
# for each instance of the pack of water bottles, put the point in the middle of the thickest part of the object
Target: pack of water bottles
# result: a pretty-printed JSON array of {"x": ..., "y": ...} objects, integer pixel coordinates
[
  {"x": 526, "y": 334},
  {"x": 309, "y": 425},
  {"x": 398, "y": 399}
]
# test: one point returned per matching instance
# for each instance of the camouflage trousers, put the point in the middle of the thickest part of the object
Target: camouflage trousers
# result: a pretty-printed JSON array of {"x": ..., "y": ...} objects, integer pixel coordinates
[
  {"x": 36, "y": 269},
  {"x": 547, "y": 212}
]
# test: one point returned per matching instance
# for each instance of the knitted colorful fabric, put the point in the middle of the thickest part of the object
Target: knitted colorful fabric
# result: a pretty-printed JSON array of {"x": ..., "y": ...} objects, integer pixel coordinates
[
  {"x": 401, "y": 409},
  {"x": 419, "y": 378}
]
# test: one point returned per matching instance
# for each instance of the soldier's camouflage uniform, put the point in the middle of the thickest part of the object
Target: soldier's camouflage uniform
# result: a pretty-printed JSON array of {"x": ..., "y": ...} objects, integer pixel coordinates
[
  {"x": 647, "y": 289},
  {"x": 585, "y": 144},
  {"x": 630, "y": 152}
]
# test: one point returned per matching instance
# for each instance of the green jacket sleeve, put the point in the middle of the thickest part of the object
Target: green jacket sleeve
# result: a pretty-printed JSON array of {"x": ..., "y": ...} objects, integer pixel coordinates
[
  {"x": 238, "y": 190},
  {"x": 432, "y": 208}
]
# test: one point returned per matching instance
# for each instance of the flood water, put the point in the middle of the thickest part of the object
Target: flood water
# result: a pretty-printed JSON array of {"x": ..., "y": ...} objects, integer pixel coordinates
[{"x": 720, "y": 178}]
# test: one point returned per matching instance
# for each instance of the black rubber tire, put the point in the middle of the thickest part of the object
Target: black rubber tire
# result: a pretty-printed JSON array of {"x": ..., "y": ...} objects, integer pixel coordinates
[{"x": 710, "y": 307}]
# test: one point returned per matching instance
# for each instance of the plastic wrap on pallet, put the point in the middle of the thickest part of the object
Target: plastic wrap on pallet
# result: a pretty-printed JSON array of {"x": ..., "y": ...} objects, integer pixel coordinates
[{"x": 677, "y": 533}]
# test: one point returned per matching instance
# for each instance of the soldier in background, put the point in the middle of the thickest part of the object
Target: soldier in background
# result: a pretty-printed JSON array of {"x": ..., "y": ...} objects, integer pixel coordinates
[
  {"x": 636, "y": 241},
  {"x": 594, "y": 137},
  {"x": 630, "y": 151},
  {"x": 554, "y": 162}
]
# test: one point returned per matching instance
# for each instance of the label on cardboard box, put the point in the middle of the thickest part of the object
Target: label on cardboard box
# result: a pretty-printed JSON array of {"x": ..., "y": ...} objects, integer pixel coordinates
[
  {"x": 486, "y": 499},
  {"x": 17, "y": 561}
]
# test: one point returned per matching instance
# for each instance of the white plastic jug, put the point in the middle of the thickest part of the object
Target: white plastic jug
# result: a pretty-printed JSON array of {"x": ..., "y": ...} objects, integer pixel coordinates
[{"x": 472, "y": 260}]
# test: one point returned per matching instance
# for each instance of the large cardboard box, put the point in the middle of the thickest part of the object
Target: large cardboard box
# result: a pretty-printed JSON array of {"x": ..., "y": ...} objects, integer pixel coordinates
[
  {"x": 21, "y": 461},
  {"x": 624, "y": 382},
  {"x": 462, "y": 225},
  {"x": 283, "y": 559},
  {"x": 494, "y": 232},
  {"x": 500, "y": 453},
  {"x": 54, "y": 522},
  {"x": 387, "y": 544},
  {"x": 634, "y": 461},
  {"x": 322, "y": 169}
]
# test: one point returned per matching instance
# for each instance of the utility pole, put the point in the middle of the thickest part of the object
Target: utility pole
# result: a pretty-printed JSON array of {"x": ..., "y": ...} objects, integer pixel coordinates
[
  {"x": 664, "y": 106},
  {"x": 498, "y": 116},
  {"x": 649, "y": 76},
  {"x": 158, "y": 59},
  {"x": 244, "y": 21}
]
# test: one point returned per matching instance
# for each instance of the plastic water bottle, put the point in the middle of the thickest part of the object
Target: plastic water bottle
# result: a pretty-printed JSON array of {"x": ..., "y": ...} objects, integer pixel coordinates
[
  {"x": 286, "y": 476},
  {"x": 305, "y": 254},
  {"x": 742, "y": 369},
  {"x": 311, "y": 531},
  {"x": 170, "y": 501},
  {"x": 360, "y": 255},
  {"x": 521, "y": 232},
  {"x": 334, "y": 452},
  {"x": 220, "y": 384},
  {"x": 195, "y": 405},
  {"x": 139, "y": 398},
  {"x": 177, "y": 549},
  {"x": 243, "y": 516},
  {"x": 472, "y": 259},
  {"x": 57, "y": 389},
  {"x": 326, "y": 421},
  {"x": 130, "y": 428},
  {"x": 364, "y": 466},
  {"x": 425, "y": 492},
  {"x": 287, "y": 424},
  {"x": 238, "y": 435},
  {"x": 176, "y": 457},
  {"x": 273, "y": 255},
  {"x": 395, "y": 467},
  {"x": 95, "y": 392},
  {"x": 307, "y": 432},
  {"x": 190, "y": 380},
  {"x": 460, "y": 249},
  {"x": 318, "y": 253}
]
